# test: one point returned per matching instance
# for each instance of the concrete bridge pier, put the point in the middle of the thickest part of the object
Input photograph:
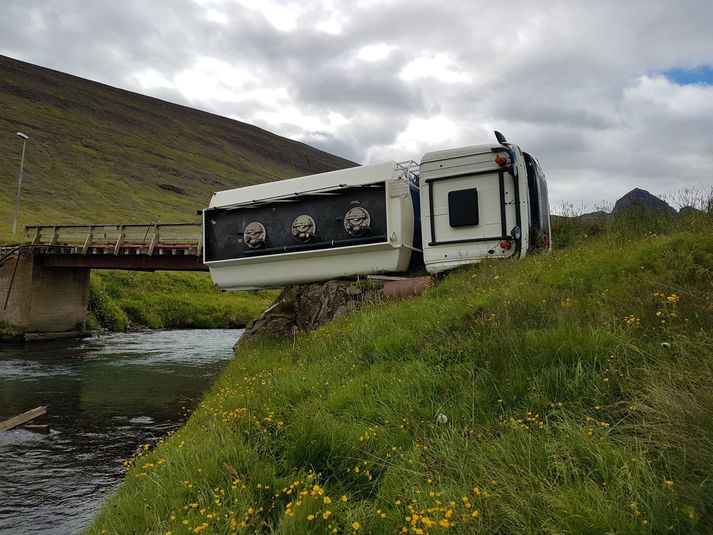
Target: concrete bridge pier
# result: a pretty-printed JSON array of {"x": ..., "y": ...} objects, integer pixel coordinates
[{"x": 41, "y": 298}]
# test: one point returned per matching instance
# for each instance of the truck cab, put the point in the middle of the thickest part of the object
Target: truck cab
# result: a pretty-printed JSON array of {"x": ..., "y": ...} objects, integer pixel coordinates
[{"x": 479, "y": 202}]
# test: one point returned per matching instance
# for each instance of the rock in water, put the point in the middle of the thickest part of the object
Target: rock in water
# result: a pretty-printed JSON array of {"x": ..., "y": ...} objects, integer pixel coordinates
[{"x": 643, "y": 199}]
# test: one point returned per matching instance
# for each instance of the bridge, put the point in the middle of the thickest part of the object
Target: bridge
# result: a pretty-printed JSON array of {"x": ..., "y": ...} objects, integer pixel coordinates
[{"x": 44, "y": 282}]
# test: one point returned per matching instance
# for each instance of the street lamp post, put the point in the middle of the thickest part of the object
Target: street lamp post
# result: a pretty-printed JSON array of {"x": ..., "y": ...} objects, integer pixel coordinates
[{"x": 19, "y": 183}]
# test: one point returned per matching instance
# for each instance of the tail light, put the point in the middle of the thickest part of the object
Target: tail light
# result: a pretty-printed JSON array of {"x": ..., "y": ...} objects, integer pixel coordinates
[
  {"x": 501, "y": 160},
  {"x": 505, "y": 244}
]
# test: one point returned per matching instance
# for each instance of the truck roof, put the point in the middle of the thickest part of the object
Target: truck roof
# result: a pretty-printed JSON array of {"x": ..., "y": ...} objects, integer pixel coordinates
[
  {"x": 352, "y": 176},
  {"x": 460, "y": 152}
]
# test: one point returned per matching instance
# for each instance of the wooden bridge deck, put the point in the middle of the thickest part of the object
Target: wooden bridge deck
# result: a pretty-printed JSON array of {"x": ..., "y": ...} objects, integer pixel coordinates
[{"x": 148, "y": 247}]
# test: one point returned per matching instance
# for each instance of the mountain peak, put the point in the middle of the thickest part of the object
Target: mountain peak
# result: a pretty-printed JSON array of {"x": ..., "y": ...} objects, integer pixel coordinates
[{"x": 644, "y": 199}]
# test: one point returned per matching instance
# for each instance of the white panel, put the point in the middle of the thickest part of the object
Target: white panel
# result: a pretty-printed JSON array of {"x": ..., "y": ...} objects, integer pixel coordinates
[
  {"x": 354, "y": 176},
  {"x": 309, "y": 266},
  {"x": 489, "y": 223}
]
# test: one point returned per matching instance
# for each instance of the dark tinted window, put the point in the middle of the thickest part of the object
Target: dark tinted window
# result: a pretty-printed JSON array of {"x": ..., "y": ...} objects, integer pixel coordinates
[{"x": 463, "y": 207}]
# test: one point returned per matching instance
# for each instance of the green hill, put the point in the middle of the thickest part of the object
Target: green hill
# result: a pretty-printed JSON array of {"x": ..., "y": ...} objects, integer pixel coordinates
[
  {"x": 102, "y": 155},
  {"x": 566, "y": 393}
]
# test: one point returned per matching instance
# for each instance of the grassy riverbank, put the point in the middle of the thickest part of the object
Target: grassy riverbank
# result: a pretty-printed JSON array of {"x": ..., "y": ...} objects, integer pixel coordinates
[
  {"x": 118, "y": 299},
  {"x": 567, "y": 393}
]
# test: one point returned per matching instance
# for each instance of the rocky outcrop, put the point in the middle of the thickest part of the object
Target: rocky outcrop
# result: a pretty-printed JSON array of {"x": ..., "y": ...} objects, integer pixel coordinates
[
  {"x": 302, "y": 308},
  {"x": 317, "y": 304}
]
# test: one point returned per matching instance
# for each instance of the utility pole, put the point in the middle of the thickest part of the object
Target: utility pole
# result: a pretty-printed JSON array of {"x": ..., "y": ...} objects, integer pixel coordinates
[{"x": 19, "y": 184}]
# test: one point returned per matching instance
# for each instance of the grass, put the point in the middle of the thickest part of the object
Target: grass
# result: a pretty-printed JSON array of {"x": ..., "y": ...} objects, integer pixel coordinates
[
  {"x": 11, "y": 333},
  {"x": 567, "y": 393},
  {"x": 118, "y": 299}
]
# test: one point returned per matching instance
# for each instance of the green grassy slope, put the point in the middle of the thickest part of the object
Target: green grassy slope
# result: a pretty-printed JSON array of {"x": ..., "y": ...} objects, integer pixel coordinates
[
  {"x": 102, "y": 155},
  {"x": 169, "y": 300},
  {"x": 567, "y": 393}
]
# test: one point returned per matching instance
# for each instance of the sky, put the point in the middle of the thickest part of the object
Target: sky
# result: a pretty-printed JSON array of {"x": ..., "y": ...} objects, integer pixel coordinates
[{"x": 608, "y": 95}]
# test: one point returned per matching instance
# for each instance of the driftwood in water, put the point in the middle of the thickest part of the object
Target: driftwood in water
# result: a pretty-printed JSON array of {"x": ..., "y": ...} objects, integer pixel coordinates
[{"x": 22, "y": 418}]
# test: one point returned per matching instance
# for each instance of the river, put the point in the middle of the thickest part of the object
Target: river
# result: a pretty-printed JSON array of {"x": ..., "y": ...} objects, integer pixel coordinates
[{"x": 105, "y": 396}]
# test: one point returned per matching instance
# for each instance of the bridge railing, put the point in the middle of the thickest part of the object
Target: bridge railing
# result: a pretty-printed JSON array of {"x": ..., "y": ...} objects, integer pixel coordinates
[{"x": 147, "y": 239}]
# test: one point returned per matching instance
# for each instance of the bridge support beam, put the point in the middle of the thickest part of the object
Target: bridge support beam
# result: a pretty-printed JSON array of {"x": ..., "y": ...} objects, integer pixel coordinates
[{"x": 40, "y": 298}]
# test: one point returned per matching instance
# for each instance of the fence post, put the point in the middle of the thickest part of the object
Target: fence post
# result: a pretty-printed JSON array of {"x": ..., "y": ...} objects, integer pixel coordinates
[
  {"x": 120, "y": 240},
  {"x": 37, "y": 237},
  {"x": 90, "y": 239},
  {"x": 199, "y": 248},
  {"x": 154, "y": 239}
]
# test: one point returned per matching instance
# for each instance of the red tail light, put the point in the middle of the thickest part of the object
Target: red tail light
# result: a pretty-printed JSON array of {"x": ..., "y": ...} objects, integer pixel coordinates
[
  {"x": 505, "y": 244},
  {"x": 501, "y": 160}
]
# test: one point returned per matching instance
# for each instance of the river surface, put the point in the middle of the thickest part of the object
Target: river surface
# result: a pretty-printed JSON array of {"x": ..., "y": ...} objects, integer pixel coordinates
[{"x": 105, "y": 396}]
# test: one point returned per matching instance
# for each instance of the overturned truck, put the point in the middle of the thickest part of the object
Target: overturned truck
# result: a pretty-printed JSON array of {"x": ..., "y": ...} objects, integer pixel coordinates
[{"x": 456, "y": 207}]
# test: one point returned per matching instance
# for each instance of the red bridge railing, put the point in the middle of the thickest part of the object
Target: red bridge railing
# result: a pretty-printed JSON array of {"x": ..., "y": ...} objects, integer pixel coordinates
[{"x": 149, "y": 239}]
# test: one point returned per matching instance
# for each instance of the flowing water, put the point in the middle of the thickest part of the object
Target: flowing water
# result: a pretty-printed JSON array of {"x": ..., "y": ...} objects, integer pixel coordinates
[{"x": 105, "y": 395}]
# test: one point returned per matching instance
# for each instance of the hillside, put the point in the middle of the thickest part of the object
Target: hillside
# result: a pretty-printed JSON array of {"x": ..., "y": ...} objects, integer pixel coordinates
[
  {"x": 563, "y": 393},
  {"x": 103, "y": 155}
]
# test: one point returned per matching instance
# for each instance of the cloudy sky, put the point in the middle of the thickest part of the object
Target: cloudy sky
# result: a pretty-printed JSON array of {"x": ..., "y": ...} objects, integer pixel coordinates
[{"x": 608, "y": 95}]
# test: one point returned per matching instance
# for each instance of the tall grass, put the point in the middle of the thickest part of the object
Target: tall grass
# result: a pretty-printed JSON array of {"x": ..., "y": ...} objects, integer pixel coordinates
[
  {"x": 118, "y": 299},
  {"x": 574, "y": 225},
  {"x": 11, "y": 333},
  {"x": 567, "y": 393}
]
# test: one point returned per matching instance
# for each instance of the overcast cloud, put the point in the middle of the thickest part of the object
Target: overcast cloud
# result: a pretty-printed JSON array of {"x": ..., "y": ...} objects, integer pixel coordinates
[{"x": 609, "y": 95}]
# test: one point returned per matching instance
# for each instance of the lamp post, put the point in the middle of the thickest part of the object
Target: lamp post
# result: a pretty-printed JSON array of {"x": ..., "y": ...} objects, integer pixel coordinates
[{"x": 19, "y": 183}]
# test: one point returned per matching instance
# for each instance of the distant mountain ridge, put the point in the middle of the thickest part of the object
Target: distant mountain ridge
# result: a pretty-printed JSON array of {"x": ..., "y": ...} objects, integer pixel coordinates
[{"x": 99, "y": 154}]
